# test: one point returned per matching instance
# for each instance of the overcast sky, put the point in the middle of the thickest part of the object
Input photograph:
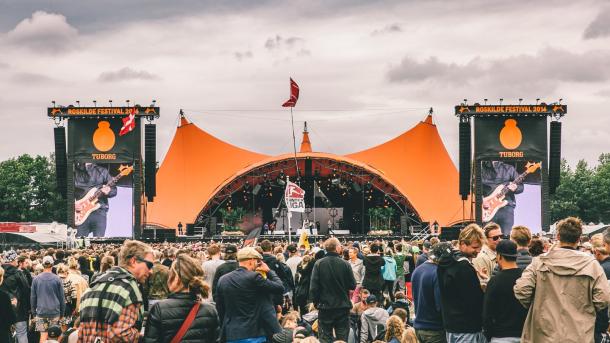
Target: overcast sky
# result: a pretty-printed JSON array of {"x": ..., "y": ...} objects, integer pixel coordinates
[{"x": 368, "y": 70}]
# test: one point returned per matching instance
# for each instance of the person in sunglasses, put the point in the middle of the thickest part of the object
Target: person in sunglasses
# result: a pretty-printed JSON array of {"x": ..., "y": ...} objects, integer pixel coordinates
[
  {"x": 485, "y": 263},
  {"x": 112, "y": 309}
]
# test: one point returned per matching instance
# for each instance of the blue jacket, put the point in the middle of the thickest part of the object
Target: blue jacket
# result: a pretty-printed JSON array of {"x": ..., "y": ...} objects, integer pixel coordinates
[
  {"x": 426, "y": 297},
  {"x": 388, "y": 271},
  {"x": 47, "y": 297},
  {"x": 244, "y": 304}
]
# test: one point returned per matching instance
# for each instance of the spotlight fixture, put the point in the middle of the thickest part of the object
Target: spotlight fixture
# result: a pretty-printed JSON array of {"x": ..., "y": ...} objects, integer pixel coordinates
[
  {"x": 78, "y": 103},
  {"x": 94, "y": 103},
  {"x": 501, "y": 99},
  {"x": 110, "y": 101},
  {"x": 154, "y": 102},
  {"x": 53, "y": 102},
  {"x": 560, "y": 100},
  {"x": 127, "y": 101},
  {"x": 485, "y": 101},
  {"x": 520, "y": 99},
  {"x": 335, "y": 181},
  {"x": 537, "y": 100}
]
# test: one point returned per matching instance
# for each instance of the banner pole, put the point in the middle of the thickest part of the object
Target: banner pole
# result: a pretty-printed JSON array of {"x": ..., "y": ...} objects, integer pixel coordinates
[{"x": 294, "y": 146}]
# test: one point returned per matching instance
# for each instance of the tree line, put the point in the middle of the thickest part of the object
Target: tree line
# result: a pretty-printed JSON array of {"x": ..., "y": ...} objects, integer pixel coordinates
[{"x": 28, "y": 191}]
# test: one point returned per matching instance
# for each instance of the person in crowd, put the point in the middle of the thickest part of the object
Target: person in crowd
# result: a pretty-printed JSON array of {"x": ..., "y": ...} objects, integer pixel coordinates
[
  {"x": 503, "y": 315},
  {"x": 244, "y": 300},
  {"x": 158, "y": 286},
  {"x": 69, "y": 290},
  {"x": 460, "y": 290},
  {"x": 428, "y": 321},
  {"x": 225, "y": 268},
  {"x": 23, "y": 264},
  {"x": 275, "y": 265},
  {"x": 404, "y": 316},
  {"x": 112, "y": 310},
  {"x": 372, "y": 320},
  {"x": 77, "y": 281},
  {"x": 16, "y": 286},
  {"x": 6, "y": 313},
  {"x": 303, "y": 280},
  {"x": 536, "y": 247},
  {"x": 485, "y": 262},
  {"x": 59, "y": 257},
  {"x": 602, "y": 256},
  {"x": 107, "y": 262},
  {"x": 522, "y": 236},
  {"x": 289, "y": 323},
  {"x": 400, "y": 301},
  {"x": 395, "y": 329},
  {"x": 388, "y": 272},
  {"x": 210, "y": 266},
  {"x": 188, "y": 289},
  {"x": 294, "y": 259},
  {"x": 47, "y": 299},
  {"x": 423, "y": 257},
  {"x": 169, "y": 256},
  {"x": 86, "y": 262},
  {"x": 54, "y": 333},
  {"x": 358, "y": 270},
  {"x": 563, "y": 289},
  {"x": 331, "y": 280},
  {"x": 373, "y": 262},
  {"x": 400, "y": 259}
]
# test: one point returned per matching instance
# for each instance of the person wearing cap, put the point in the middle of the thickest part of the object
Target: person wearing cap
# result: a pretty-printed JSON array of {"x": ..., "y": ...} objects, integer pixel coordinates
[
  {"x": 230, "y": 265},
  {"x": 244, "y": 300},
  {"x": 428, "y": 321},
  {"x": 372, "y": 320},
  {"x": 54, "y": 334},
  {"x": 563, "y": 290},
  {"x": 503, "y": 315},
  {"x": 17, "y": 287},
  {"x": 47, "y": 298},
  {"x": 423, "y": 257}
]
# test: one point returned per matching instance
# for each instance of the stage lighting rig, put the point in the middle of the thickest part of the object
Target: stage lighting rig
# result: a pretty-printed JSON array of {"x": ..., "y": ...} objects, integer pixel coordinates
[{"x": 94, "y": 103}]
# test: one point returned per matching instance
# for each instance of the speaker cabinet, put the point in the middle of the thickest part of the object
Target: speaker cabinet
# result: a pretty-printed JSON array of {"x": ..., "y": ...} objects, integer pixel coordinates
[
  {"x": 150, "y": 161},
  {"x": 465, "y": 159},
  {"x": 61, "y": 163},
  {"x": 554, "y": 156}
]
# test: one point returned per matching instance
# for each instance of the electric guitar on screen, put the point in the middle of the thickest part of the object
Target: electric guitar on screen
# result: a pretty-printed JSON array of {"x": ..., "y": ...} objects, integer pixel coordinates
[
  {"x": 495, "y": 201},
  {"x": 89, "y": 203}
]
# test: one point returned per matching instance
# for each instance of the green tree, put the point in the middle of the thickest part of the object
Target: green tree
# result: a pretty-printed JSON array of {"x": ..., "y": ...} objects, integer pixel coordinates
[{"x": 28, "y": 190}]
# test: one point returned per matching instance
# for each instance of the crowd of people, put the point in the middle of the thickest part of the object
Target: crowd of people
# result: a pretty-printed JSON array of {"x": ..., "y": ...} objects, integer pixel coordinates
[{"x": 482, "y": 287}]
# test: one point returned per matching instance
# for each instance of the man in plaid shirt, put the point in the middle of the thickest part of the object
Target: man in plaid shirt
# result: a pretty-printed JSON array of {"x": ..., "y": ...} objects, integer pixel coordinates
[{"x": 111, "y": 310}]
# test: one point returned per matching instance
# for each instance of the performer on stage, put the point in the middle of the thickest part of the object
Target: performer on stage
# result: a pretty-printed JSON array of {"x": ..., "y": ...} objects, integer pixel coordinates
[
  {"x": 86, "y": 177},
  {"x": 497, "y": 173}
]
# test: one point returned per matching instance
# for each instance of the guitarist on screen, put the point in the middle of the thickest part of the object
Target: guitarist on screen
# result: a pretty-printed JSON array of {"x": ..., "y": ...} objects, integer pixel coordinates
[
  {"x": 86, "y": 177},
  {"x": 493, "y": 174}
]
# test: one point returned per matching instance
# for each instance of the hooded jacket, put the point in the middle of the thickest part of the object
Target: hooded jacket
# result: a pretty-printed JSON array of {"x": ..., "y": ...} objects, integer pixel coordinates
[
  {"x": 373, "y": 281},
  {"x": 389, "y": 268},
  {"x": 563, "y": 289},
  {"x": 372, "y": 322},
  {"x": 461, "y": 294},
  {"x": 16, "y": 286}
]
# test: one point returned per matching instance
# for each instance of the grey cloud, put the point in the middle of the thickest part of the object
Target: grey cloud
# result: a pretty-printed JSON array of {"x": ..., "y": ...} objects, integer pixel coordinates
[
  {"x": 392, "y": 28},
  {"x": 43, "y": 32},
  {"x": 548, "y": 65},
  {"x": 278, "y": 42},
  {"x": 303, "y": 53},
  {"x": 126, "y": 74},
  {"x": 600, "y": 26},
  {"x": 4, "y": 65},
  {"x": 242, "y": 55},
  {"x": 30, "y": 78}
]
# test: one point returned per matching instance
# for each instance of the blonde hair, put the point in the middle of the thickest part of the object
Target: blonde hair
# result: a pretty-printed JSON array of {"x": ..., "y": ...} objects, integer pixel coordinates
[
  {"x": 471, "y": 234},
  {"x": 190, "y": 273},
  {"x": 1, "y": 275},
  {"x": 521, "y": 235},
  {"x": 409, "y": 336},
  {"x": 394, "y": 328},
  {"x": 61, "y": 268},
  {"x": 73, "y": 263},
  {"x": 280, "y": 257},
  {"x": 133, "y": 249},
  {"x": 107, "y": 263},
  {"x": 597, "y": 241}
]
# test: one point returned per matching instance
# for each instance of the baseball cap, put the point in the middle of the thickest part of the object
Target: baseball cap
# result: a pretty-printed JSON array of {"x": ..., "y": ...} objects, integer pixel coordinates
[
  {"x": 371, "y": 299},
  {"x": 47, "y": 260},
  {"x": 54, "y": 331},
  {"x": 507, "y": 248},
  {"x": 441, "y": 249},
  {"x": 9, "y": 256},
  {"x": 231, "y": 249},
  {"x": 427, "y": 245},
  {"x": 248, "y": 253}
]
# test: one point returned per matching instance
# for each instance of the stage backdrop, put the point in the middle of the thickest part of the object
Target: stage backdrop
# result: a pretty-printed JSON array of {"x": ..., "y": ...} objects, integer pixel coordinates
[
  {"x": 100, "y": 156},
  {"x": 510, "y": 171}
]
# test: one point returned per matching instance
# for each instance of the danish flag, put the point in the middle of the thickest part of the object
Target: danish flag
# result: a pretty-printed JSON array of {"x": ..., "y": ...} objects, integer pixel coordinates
[{"x": 129, "y": 123}]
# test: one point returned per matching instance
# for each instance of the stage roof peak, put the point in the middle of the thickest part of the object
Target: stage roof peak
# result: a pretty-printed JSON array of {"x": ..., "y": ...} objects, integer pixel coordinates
[
  {"x": 428, "y": 120},
  {"x": 305, "y": 142},
  {"x": 183, "y": 120}
]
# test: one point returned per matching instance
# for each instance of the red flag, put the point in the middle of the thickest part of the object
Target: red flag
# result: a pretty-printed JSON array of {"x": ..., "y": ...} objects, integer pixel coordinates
[
  {"x": 294, "y": 94},
  {"x": 129, "y": 123}
]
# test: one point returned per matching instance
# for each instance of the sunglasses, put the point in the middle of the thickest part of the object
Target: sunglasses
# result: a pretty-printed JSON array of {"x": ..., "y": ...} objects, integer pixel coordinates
[
  {"x": 495, "y": 238},
  {"x": 149, "y": 264}
]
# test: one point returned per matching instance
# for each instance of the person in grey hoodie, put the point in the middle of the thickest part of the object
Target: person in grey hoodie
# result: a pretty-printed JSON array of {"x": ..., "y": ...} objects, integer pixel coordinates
[
  {"x": 372, "y": 320},
  {"x": 47, "y": 299},
  {"x": 358, "y": 270}
]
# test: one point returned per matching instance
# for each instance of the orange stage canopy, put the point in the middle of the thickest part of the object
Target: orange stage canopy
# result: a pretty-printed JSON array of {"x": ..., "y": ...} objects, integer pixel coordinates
[{"x": 197, "y": 166}]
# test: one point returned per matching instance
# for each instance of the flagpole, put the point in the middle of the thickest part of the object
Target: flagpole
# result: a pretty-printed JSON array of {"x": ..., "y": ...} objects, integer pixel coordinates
[
  {"x": 294, "y": 146},
  {"x": 289, "y": 214}
]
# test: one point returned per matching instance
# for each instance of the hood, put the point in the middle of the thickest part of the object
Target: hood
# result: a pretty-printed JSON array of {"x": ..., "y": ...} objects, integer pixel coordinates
[
  {"x": 376, "y": 315},
  {"x": 389, "y": 259},
  {"x": 112, "y": 274},
  {"x": 9, "y": 270},
  {"x": 448, "y": 259},
  {"x": 566, "y": 261},
  {"x": 356, "y": 262}
]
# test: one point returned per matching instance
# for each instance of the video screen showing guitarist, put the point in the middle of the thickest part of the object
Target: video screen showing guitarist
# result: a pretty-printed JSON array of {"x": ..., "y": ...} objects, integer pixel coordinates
[
  {"x": 499, "y": 183},
  {"x": 89, "y": 179}
]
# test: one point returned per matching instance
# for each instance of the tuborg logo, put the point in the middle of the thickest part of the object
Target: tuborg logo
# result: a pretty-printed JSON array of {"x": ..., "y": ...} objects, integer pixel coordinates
[
  {"x": 103, "y": 137},
  {"x": 510, "y": 135}
]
